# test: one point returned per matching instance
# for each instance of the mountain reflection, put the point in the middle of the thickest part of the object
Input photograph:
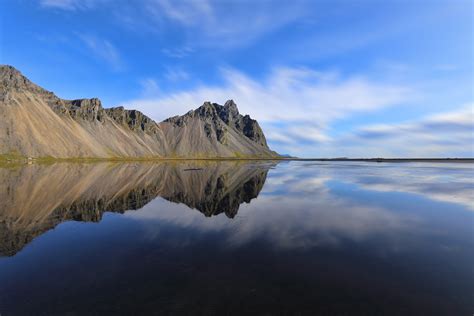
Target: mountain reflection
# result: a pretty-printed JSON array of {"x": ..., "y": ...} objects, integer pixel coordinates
[{"x": 37, "y": 198}]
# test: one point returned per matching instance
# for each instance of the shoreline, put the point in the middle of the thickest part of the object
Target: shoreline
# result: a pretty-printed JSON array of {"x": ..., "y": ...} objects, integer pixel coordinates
[{"x": 50, "y": 160}]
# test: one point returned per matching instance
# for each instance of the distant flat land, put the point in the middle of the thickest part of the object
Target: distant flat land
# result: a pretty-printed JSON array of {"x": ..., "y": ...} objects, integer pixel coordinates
[{"x": 464, "y": 160}]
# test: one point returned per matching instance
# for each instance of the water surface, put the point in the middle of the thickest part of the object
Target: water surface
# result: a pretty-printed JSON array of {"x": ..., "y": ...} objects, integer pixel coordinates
[{"x": 233, "y": 238}]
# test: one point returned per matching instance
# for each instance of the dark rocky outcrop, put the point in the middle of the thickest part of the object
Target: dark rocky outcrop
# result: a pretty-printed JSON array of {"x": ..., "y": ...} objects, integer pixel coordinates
[
  {"x": 247, "y": 126},
  {"x": 135, "y": 120},
  {"x": 87, "y": 109}
]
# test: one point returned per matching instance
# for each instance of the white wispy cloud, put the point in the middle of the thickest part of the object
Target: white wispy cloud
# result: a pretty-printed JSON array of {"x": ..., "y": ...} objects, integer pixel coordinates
[
  {"x": 103, "y": 50},
  {"x": 70, "y": 5},
  {"x": 176, "y": 74},
  {"x": 201, "y": 23},
  {"x": 287, "y": 94},
  {"x": 179, "y": 52},
  {"x": 150, "y": 87},
  {"x": 436, "y": 135},
  {"x": 223, "y": 24},
  {"x": 189, "y": 12},
  {"x": 292, "y": 104}
]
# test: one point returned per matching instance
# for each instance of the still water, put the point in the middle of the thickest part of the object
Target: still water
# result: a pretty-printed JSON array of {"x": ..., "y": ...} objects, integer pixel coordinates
[{"x": 234, "y": 238}]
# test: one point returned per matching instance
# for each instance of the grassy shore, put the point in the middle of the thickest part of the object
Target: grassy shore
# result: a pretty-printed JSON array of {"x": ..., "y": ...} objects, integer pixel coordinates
[{"x": 14, "y": 160}]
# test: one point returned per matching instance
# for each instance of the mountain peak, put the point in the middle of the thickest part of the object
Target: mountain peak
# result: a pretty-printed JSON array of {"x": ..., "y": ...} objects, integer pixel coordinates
[
  {"x": 231, "y": 106},
  {"x": 207, "y": 109},
  {"x": 7, "y": 69},
  {"x": 10, "y": 77},
  {"x": 219, "y": 118}
]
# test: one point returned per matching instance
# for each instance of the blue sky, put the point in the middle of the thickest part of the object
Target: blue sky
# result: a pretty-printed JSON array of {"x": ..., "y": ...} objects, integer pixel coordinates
[{"x": 323, "y": 78}]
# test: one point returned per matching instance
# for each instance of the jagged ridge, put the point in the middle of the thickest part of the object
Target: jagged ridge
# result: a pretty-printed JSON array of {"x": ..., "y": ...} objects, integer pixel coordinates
[{"x": 38, "y": 124}]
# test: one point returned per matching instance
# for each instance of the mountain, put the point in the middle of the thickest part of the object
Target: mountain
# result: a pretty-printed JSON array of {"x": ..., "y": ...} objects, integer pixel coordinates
[
  {"x": 36, "y": 123},
  {"x": 37, "y": 198},
  {"x": 217, "y": 129}
]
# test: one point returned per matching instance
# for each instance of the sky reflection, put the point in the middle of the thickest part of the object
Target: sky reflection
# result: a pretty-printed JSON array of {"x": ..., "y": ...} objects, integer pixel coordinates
[{"x": 310, "y": 205}]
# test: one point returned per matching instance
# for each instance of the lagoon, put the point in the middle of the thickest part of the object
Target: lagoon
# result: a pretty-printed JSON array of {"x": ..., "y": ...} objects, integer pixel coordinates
[{"x": 236, "y": 237}]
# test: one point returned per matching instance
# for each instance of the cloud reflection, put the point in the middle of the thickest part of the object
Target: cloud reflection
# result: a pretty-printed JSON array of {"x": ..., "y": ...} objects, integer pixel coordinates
[{"x": 303, "y": 206}]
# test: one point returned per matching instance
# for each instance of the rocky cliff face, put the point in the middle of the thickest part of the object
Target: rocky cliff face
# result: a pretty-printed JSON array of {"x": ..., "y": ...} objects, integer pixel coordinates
[
  {"x": 244, "y": 124},
  {"x": 36, "y": 123},
  {"x": 215, "y": 115},
  {"x": 217, "y": 129},
  {"x": 36, "y": 198},
  {"x": 133, "y": 119}
]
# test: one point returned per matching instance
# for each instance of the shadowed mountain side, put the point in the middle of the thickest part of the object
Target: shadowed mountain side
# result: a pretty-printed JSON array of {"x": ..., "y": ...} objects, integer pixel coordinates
[
  {"x": 36, "y": 123},
  {"x": 36, "y": 198}
]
